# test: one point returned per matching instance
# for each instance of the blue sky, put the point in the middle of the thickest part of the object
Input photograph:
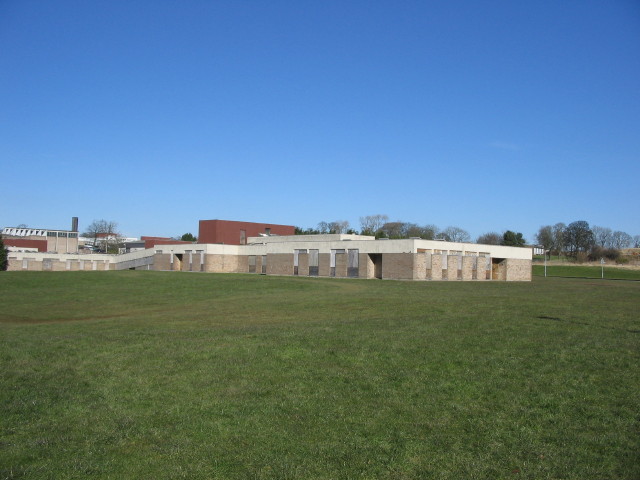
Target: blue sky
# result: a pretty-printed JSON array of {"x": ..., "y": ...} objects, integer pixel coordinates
[{"x": 487, "y": 115}]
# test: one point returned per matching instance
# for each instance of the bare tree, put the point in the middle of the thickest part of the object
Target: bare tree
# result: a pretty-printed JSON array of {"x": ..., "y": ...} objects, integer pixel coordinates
[
  {"x": 544, "y": 237},
  {"x": 339, "y": 226},
  {"x": 104, "y": 232},
  {"x": 559, "y": 237},
  {"x": 456, "y": 234},
  {"x": 371, "y": 224},
  {"x": 489, "y": 238},
  {"x": 323, "y": 227},
  {"x": 636, "y": 241},
  {"x": 602, "y": 236},
  {"x": 621, "y": 240}
]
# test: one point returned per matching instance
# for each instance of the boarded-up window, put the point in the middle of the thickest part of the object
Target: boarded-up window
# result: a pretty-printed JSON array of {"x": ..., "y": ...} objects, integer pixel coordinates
[
  {"x": 243, "y": 237},
  {"x": 252, "y": 264},
  {"x": 313, "y": 262},
  {"x": 353, "y": 263},
  {"x": 264, "y": 264}
]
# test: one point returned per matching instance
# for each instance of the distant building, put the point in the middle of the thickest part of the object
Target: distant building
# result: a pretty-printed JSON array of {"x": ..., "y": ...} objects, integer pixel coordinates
[
  {"x": 42, "y": 239},
  {"x": 337, "y": 255},
  {"x": 230, "y": 232}
]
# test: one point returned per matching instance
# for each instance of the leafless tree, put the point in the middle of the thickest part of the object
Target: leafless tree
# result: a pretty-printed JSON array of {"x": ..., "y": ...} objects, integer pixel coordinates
[
  {"x": 602, "y": 236},
  {"x": 456, "y": 234},
  {"x": 559, "y": 237},
  {"x": 371, "y": 224},
  {"x": 339, "y": 226},
  {"x": 621, "y": 240},
  {"x": 102, "y": 232},
  {"x": 490, "y": 238}
]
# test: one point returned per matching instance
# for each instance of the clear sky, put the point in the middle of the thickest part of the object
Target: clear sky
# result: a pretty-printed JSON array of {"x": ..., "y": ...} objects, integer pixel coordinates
[{"x": 486, "y": 115}]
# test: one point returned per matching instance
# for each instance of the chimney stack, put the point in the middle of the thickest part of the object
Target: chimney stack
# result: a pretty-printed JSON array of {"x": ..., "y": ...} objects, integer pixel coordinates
[{"x": 74, "y": 224}]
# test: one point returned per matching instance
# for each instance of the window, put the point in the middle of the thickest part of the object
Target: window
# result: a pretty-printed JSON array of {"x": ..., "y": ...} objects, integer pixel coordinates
[
  {"x": 353, "y": 263},
  {"x": 313, "y": 262}
]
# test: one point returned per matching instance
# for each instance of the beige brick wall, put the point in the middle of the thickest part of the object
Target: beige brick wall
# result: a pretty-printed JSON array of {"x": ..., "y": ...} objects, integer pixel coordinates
[
  {"x": 342, "y": 260},
  {"x": 242, "y": 265},
  {"x": 14, "y": 264},
  {"x": 258, "y": 264},
  {"x": 161, "y": 261},
  {"x": 324, "y": 264},
  {"x": 436, "y": 267},
  {"x": 420, "y": 266},
  {"x": 280, "y": 264},
  {"x": 303, "y": 264},
  {"x": 467, "y": 267},
  {"x": 217, "y": 263},
  {"x": 397, "y": 266},
  {"x": 481, "y": 273},
  {"x": 365, "y": 266},
  {"x": 498, "y": 269},
  {"x": 452, "y": 267},
  {"x": 518, "y": 270}
]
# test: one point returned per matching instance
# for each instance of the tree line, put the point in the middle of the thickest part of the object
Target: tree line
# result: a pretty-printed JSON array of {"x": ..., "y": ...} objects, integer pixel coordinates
[
  {"x": 579, "y": 240},
  {"x": 379, "y": 226},
  {"x": 572, "y": 240}
]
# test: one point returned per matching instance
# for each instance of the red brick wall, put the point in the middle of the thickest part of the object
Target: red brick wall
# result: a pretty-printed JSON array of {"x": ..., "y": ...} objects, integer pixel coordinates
[
  {"x": 228, "y": 232},
  {"x": 150, "y": 242},
  {"x": 41, "y": 245}
]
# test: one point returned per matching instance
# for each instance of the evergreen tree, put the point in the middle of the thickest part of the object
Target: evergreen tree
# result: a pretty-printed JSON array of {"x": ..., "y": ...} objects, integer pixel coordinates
[{"x": 4, "y": 254}]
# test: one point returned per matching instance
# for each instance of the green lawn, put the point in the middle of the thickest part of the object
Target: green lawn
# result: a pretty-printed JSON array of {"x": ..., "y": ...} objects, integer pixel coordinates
[
  {"x": 587, "y": 271},
  {"x": 151, "y": 375}
]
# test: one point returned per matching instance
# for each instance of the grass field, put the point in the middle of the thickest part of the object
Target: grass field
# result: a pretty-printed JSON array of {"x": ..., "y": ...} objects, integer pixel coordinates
[
  {"x": 150, "y": 375},
  {"x": 587, "y": 271}
]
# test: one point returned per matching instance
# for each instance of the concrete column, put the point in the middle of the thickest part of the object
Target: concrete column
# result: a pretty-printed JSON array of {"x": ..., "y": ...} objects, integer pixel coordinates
[
  {"x": 436, "y": 266},
  {"x": 452, "y": 267},
  {"x": 467, "y": 268}
]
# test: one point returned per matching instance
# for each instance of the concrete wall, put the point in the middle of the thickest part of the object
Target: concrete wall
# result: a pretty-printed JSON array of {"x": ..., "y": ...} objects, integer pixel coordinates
[
  {"x": 468, "y": 264},
  {"x": 280, "y": 264},
  {"x": 324, "y": 264},
  {"x": 219, "y": 263},
  {"x": 397, "y": 266},
  {"x": 303, "y": 264},
  {"x": 452, "y": 267},
  {"x": 436, "y": 267},
  {"x": 341, "y": 265},
  {"x": 518, "y": 270},
  {"x": 365, "y": 266}
]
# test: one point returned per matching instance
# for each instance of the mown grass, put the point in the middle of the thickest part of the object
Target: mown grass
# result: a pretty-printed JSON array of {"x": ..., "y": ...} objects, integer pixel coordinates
[
  {"x": 587, "y": 271},
  {"x": 165, "y": 375}
]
